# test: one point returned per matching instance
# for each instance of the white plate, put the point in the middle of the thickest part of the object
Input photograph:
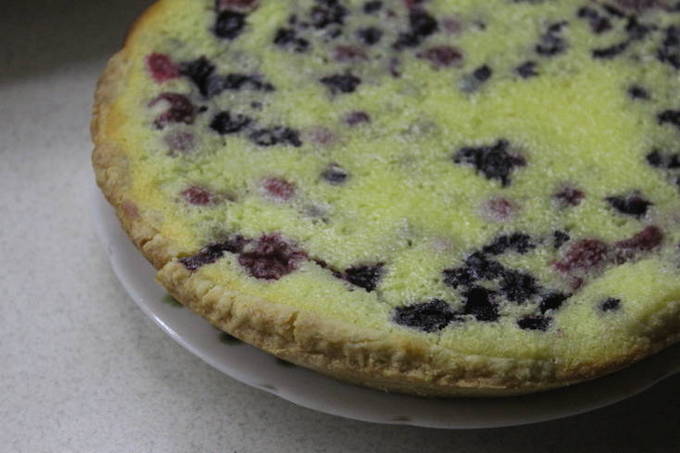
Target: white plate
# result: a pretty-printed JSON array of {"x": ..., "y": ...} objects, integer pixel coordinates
[{"x": 314, "y": 391}]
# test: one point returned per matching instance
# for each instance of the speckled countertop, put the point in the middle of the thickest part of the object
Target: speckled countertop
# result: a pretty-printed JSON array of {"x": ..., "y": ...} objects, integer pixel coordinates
[{"x": 81, "y": 367}]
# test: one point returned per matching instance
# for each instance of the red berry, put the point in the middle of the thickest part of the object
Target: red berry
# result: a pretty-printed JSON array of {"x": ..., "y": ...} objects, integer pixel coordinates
[
  {"x": 271, "y": 257},
  {"x": 162, "y": 67},
  {"x": 442, "y": 56},
  {"x": 583, "y": 255},
  {"x": 569, "y": 196},
  {"x": 198, "y": 196},
  {"x": 279, "y": 188},
  {"x": 180, "y": 109},
  {"x": 646, "y": 240}
]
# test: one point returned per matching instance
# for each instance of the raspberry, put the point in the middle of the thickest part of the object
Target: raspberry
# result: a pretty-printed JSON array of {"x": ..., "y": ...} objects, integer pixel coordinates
[
  {"x": 180, "y": 109},
  {"x": 198, "y": 196},
  {"x": 569, "y": 196},
  {"x": 442, "y": 56},
  {"x": 648, "y": 239},
  {"x": 584, "y": 254},
  {"x": 162, "y": 67},
  {"x": 357, "y": 117},
  {"x": 279, "y": 188},
  {"x": 271, "y": 257}
]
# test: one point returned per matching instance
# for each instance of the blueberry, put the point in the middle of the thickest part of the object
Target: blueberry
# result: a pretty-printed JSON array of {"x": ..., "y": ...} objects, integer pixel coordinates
[
  {"x": 370, "y": 35},
  {"x": 229, "y": 24},
  {"x": 551, "y": 43},
  {"x": 335, "y": 174},
  {"x": 483, "y": 268},
  {"x": 494, "y": 161},
  {"x": 431, "y": 316},
  {"x": 214, "y": 252},
  {"x": 611, "y": 51},
  {"x": 610, "y": 304},
  {"x": 357, "y": 117},
  {"x": 276, "y": 135},
  {"x": 559, "y": 239},
  {"x": 480, "y": 303},
  {"x": 200, "y": 71},
  {"x": 633, "y": 205},
  {"x": 238, "y": 81},
  {"x": 527, "y": 69},
  {"x": 372, "y": 6},
  {"x": 287, "y": 38},
  {"x": 534, "y": 323},
  {"x": 327, "y": 12},
  {"x": 552, "y": 301},
  {"x": 270, "y": 257},
  {"x": 669, "y": 52},
  {"x": 226, "y": 123},
  {"x": 365, "y": 276},
  {"x": 518, "y": 286},
  {"x": 598, "y": 23},
  {"x": 422, "y": 25},
  {"x": 341, "y": 83},
  {"x": 637, "y": 92},
  {"x": 670, "y": 117},
  {"x": 459, "y": 277},
  {"x": 519, "y": 242}
]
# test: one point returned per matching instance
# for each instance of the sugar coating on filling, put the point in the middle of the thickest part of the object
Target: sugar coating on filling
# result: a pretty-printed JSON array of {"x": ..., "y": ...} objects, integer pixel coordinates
[{"x": 499, "y": 177}]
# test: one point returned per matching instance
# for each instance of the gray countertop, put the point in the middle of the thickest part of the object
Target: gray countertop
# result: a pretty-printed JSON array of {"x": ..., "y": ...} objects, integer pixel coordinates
[{"x": 81, "y": 367}]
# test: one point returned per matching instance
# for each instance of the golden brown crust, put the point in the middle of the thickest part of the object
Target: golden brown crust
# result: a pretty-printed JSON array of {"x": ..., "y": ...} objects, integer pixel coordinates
[{"x": 394, "y": 362}]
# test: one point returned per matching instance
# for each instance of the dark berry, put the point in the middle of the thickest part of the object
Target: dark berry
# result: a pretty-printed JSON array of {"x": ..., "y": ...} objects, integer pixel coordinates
[
  {"x": 162, "y": 67},
  {"x": 611, "y": 51},
  {"x": 357, "y": 117},
  {"x": 552, "y": 301},
  {"x": 551, "y": 42},
  {"x": 459, "y": 277},
  {"x": 365, "y": 276},
  {"x": 636, "y": 30},
  {"x": 287, "y": 37},
  {"x": 610, "y": 304},
  {"x": 584, "y": 255},
  {"x": 198, "y": 196},
  {"x": 271, "y": 257},
  {"x": 442, "y": 56},
  {"x": 237, "y": 5},
  {"x": 335, "y": 174},
  {"x": 519, "y": 242},
  {"x": 638, "y": 5},
  {"x": 669, "y": 52},
  {"x": 670, "y": 117},
  {"x": 569, "y": 196},
  {"x": 200, "y": 71},
  {"x": 370, "y": 35},
  {"x": 637, "y": 92},
  {"x": 229, "y": 24},
  {"x": 348, "y": 53},
  {"x": 480, "y": 303},
  {"x": 226, "y": 123},
  {"x": 180, "y": 109},
  {"x": 534, "y": 323},
  {"x": 598, "y": 24},
  {"x": 429, "y": 316},
  {"x": 559, "y": 239},
  {"x": 327, "y": 12},
  {"x": 633, "y": 205},
  {"x": 372, "y": 6},
  {"x": 483, "y": 268},
  {"x": 518, "y": 286},
  {"x": 482, "y": 73},
  {"x": 279, "y": 188},
  {"x": 655, "y": 159},
  {"x": 180, "y": 141},
  {"x": 494, "y": 161},
  {"x": 422, "y": 25},
  {"x": 214, "y": 252},
  {"x": 341, "y": 83},
  {"x": 648, "y": 239},
  {"x": 527, "y": 69},
  {"x": 277, "y": 135}
]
